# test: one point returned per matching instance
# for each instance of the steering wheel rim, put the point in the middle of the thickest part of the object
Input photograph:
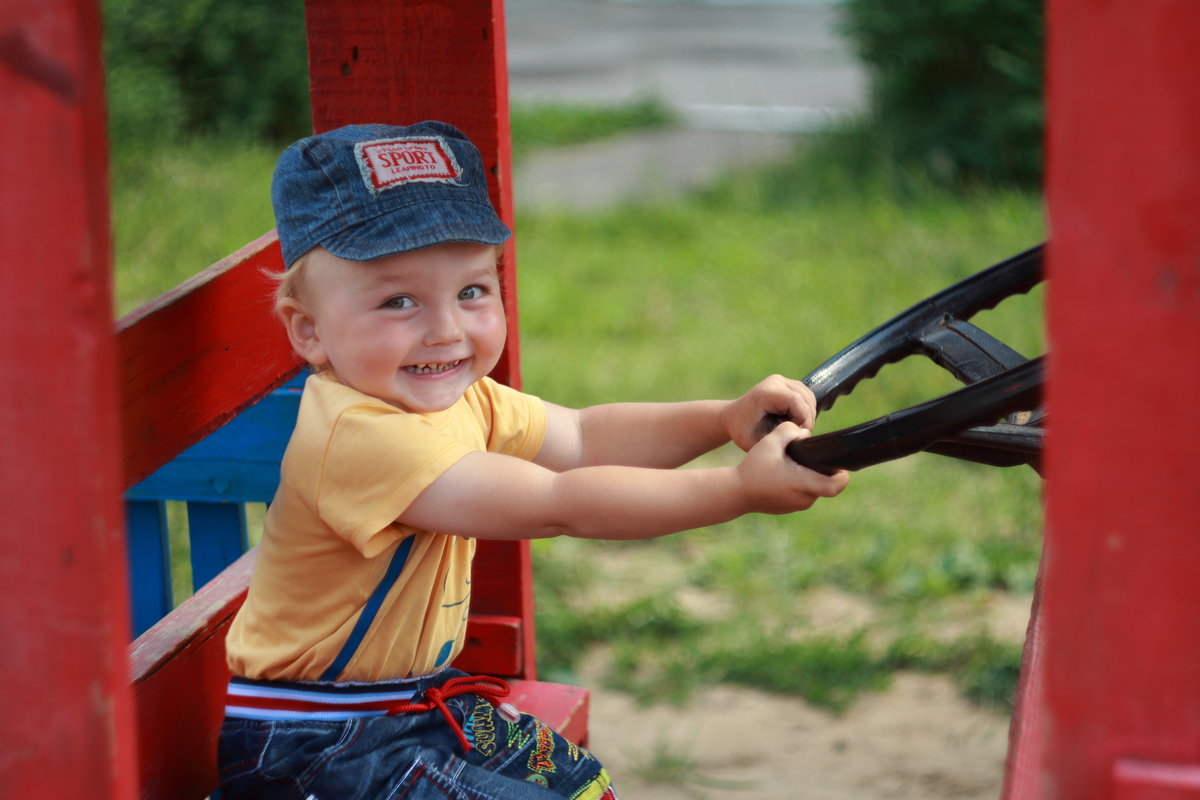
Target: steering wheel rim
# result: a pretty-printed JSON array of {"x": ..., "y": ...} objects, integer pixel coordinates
[{"x": 963, "y": 424}]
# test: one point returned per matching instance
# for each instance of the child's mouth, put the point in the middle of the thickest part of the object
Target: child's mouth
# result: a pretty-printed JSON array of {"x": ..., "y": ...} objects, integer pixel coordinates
[{"x": 432, "y": 369}]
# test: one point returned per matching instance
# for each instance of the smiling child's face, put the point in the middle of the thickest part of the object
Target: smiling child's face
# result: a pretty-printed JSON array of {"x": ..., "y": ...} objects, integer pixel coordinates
[{"x": 413, "y": 329}]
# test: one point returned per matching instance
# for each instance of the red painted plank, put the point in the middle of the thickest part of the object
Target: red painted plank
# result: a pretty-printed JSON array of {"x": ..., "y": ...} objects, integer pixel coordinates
[
  {"x": 564, "y": 708},
  {"x": 492, "y": 646},
  {"x": 193, "y": 358},
  {"x": 1123, "y": 571},
  {"x": 1023, "y": 766},
  {"x": 1135, "y": 779},
  {"x": 67, "y": 722},
  {"x": 502, "y": 583},
  {"x": 192, "y": 622},
  {"x": 179, "y": 676}
]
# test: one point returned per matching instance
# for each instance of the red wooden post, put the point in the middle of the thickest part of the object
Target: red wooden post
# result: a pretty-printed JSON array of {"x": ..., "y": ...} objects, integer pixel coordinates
[
  {"x": 66, "y": 727},
  {"x": 1122, "y": 677},
  {"x": 403, "y": 61}
]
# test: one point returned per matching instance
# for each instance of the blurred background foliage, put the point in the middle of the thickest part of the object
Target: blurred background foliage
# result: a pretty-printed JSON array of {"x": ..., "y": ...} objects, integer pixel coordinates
[
  {"x": 956, "y": 84},
  {"x": 180, "y": 68}
]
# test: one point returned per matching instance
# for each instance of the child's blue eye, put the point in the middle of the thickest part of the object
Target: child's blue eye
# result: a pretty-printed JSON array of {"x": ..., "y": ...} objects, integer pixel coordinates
[
  {"x": 399, "y": 301},
  {"x": 472, "y": 293}
]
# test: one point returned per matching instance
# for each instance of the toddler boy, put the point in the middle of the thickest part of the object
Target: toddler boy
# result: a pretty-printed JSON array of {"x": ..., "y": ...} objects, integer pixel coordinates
[{"x": 404, "y": 454}]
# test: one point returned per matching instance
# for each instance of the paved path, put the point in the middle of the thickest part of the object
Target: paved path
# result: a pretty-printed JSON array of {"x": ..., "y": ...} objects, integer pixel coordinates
[{"x": 744, "y": 78}]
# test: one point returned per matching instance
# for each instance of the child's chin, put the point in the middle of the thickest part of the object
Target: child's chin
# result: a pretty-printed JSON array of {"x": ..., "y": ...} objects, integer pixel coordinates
[{"x": 423, "y": 405}]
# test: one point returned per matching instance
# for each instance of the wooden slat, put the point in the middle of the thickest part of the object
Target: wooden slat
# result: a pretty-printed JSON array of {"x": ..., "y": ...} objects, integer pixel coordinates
[
  {"x": 1023, "y": 764},
  {"x": 179, "y": 677},
  {"x": 217, "y": 532},
  {"x": 564, "y": 708},
  {"x": 193, "y": 358},
  {"x": 1138, "y": 779},
  {"x": 66, "y": 720},
  {"x": 502, "y": 584},
  {"x": 149, "y": 562},
  {"x": 492, "y": 646}
]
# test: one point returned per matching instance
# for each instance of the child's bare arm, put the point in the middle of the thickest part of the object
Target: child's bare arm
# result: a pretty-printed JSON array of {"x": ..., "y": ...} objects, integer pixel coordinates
[
  {"x": 666, "y": 435},
  {"x": 491, "y": 496},
  {"x": 657, "y": 435}
]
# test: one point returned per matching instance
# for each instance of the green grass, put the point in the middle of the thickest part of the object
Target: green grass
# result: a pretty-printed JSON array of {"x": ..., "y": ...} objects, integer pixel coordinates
[
  {"x": 179, "y": 208},
  {"x": 701, "y": 297}
]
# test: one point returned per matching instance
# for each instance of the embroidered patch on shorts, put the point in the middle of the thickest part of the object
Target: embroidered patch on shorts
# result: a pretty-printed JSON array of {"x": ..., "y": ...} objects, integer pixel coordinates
[
  {"x": 387, "y": 163},
  {"x": 598, "y": 788},
  {"x": 542, "y": 757}
]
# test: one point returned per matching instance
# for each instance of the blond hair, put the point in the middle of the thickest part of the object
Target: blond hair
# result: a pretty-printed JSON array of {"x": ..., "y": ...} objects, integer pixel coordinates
[
  {"x": 288, "y": 285},
  {"x": 289, "y": 282}
]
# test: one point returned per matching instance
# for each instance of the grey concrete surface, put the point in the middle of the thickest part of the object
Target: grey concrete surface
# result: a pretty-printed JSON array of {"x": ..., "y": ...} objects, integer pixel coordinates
[
  {"x": 690, "y": 54},
  {"x": 743, "y": 76}
]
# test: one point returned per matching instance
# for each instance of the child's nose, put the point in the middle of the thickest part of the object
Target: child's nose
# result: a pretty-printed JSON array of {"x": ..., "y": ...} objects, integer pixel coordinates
[{"x": 445, "y": 326}]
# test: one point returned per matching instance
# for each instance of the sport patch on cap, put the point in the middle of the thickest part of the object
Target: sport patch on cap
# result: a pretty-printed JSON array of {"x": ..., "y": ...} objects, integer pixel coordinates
[{"x": 386, "y": 163}]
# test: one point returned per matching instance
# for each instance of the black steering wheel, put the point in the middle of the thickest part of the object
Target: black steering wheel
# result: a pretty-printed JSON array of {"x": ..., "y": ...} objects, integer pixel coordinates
[{"x": 969, "y": 424}]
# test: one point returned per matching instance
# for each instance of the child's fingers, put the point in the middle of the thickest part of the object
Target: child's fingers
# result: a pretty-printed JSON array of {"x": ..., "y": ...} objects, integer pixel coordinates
[
  {"x": 788, "y": 431},
  {"x": 832, "y": 485},
  {"x": 815, "y": 482},
  {"x": 793, "y": 399}
]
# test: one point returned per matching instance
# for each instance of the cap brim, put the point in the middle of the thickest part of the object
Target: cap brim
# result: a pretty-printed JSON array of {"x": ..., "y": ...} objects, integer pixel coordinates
[{"x": 413, "y": 228}]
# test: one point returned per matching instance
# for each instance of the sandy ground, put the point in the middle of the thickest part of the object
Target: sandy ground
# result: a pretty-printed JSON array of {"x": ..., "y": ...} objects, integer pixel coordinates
[{"x": 919, "y": 739}]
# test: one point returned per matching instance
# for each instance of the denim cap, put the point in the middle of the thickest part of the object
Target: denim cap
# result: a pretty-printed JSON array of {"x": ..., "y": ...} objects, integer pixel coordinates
[{"x": 368, "y": 191}]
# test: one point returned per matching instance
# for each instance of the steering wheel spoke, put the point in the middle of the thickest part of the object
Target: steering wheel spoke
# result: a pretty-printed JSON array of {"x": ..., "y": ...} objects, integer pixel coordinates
[{"x": 967, "y": 352}]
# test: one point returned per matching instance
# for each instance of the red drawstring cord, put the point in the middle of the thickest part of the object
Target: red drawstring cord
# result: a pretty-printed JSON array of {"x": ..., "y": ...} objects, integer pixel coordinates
[{"x": 491, "y": 689}]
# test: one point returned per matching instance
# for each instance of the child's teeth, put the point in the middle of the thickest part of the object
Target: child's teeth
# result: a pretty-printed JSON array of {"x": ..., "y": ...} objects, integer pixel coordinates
[{"x": 427, "y": 369}]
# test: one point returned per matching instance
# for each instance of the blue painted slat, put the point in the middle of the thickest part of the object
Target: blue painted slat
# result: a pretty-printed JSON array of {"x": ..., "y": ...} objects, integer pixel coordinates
[
  {"x": 238, "y": 462},
  {"x": 149, "y": 563},
  {"x": 218, "y": 535}
]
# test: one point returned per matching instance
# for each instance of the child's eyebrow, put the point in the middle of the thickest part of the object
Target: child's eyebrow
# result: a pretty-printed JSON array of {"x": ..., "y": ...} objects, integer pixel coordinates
[
  {"x": 388, "y": 281},
  {"x": 491, "y": 271},
  {"x": 402, "y": 280}
]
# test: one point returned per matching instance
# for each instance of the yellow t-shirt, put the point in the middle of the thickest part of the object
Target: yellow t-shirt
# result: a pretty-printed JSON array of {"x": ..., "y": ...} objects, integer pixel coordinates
[{"x": 332, "y": 547}]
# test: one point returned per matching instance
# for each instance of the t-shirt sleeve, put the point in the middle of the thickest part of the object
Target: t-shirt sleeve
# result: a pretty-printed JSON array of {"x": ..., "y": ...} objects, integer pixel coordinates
[
  {"x": 516, "y": 422},
  {"x": 374, "y": 466}
]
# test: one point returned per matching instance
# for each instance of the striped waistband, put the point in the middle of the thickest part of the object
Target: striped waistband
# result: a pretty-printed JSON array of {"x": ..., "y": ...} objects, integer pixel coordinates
[{"x": 274, "y": 700}]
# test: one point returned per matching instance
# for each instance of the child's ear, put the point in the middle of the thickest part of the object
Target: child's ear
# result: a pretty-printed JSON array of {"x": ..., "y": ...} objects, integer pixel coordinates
[{"x": 301, "y": 329}]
